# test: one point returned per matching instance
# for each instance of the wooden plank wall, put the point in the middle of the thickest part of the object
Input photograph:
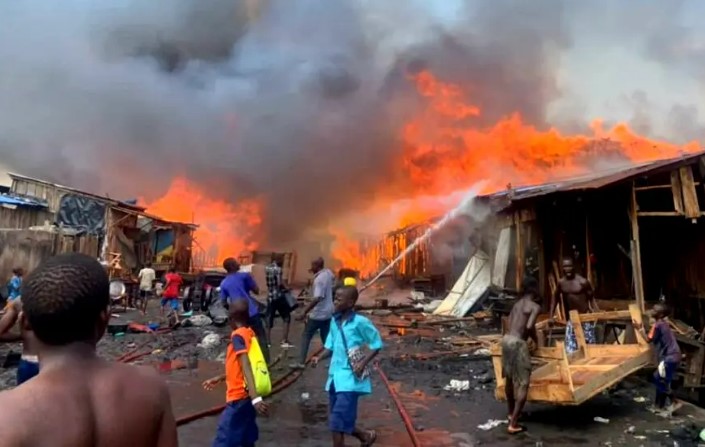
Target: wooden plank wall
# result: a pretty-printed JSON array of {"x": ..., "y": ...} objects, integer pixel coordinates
[
  {"x": 49, "y": 193},
  {"x": 24, "y": 217},
  {"x": 27, "y": 248}
]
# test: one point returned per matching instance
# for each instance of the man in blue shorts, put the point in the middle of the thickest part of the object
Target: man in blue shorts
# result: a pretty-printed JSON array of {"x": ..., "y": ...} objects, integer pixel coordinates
[{"x": 348, "y": 376}]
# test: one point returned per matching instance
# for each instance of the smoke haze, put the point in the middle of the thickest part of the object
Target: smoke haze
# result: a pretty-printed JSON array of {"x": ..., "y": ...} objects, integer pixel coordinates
[{"x": 298, "y": 103}]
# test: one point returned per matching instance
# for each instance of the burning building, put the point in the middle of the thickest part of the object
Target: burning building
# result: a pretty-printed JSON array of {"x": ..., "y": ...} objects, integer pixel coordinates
[{"x": 125, "y": 236}]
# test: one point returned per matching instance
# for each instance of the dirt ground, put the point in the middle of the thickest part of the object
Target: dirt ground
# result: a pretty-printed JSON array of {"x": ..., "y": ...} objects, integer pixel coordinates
[{"x": 441, "y": 418}]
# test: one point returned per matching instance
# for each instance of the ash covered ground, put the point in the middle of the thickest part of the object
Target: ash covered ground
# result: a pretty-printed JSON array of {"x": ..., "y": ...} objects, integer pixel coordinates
[{"x": 441, "y": 417}]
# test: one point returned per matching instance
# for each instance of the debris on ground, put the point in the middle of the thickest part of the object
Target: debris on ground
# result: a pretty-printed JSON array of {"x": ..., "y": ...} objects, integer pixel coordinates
[
  {"x": 457, "y": 385},
  {"x": 210, "y": 341},
  {"x": 200, "y": 320},
  {"x": 492, "y": 423}
]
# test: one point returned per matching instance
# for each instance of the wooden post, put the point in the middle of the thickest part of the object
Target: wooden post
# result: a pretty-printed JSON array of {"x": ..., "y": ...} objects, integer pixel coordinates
[
  {"x": 635, "y": 251},
  {"x": 588, "y": 264},
  {"x": 519, "y": 250},
  {"x": 542, "y": 268},
  {"x": 677, "y": 191},
  {"x": 578, "y": 331},
  {"x": 636, "y": 314},
  {"x": 564, "y": 368},
  {"x": 690, "y": 197}
]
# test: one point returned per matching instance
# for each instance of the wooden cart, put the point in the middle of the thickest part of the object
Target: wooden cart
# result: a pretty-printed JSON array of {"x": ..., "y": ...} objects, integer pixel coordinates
[{"x": 572, "y": 379}]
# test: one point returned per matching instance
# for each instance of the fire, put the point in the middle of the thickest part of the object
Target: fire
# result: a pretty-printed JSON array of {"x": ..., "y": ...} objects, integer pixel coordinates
[
  {"x": 352, "y": 254},
  {"x": 225, "y": 229},
  {"x": 445, "y": 153}
]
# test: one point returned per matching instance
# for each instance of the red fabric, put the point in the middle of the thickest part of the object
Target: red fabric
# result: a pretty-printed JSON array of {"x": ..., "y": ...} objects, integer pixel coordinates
[{"x": 173, "y": 283}]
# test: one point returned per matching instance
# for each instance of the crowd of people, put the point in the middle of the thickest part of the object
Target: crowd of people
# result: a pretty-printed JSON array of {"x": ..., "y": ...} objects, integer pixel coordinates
[{"x": 62, "y": 310}]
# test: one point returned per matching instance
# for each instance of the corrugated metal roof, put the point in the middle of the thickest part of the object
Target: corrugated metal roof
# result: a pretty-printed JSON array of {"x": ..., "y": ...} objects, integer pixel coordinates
[
  {"x": 594, "y": 180},
  {"x": 10, "y": 200}
]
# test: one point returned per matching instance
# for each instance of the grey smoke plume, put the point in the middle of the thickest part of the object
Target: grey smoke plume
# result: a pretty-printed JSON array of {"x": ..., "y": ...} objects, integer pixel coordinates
[{"x": 299, "y": 102}]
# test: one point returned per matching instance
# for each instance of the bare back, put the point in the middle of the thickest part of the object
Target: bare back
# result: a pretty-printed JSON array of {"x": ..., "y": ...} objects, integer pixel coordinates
[
  {"x": 90, "y": 403},
  {"x": 577, "y": 293},
  {"x": 522, "y": 318}
]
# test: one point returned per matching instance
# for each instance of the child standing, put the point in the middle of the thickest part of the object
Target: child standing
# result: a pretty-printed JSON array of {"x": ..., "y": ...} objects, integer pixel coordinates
[
  {"x": 669, "y": 356},
  {"x": 238, "y": 425},
  {"x": 348, "y": 376}
]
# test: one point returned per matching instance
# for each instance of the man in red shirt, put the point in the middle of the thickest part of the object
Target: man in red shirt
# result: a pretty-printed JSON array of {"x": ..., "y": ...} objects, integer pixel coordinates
[{"x": 170, "y": 296}]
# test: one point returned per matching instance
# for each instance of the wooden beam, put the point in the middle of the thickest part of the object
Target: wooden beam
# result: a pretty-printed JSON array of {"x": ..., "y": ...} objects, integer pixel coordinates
[
  {"x": 677, "y": 192},
  {"x": 552, "y": 353},
  {"x": 610, "y": 315},
  {"x": 564, "y": 369},
  {"x": 593, "y": 367},
  {"x": 578, "y": 330},
  {"x": 650, "y": 187},
  {"x": 690, "y": 196},
  {"x": 519, "y": 252},
  {"x": 637, "y": 319},
  {"x": 548, "y": 392},
  {"x": 636, "y": 251},
  {"x": 658, "y": 214},
  {"x": 542, "y": 263},
  {"x": 613, "y": 350},
  {"x": 588, "y": 264},
  {"x": 606, "y": 379},
  {"x": 547, "y": 370}
]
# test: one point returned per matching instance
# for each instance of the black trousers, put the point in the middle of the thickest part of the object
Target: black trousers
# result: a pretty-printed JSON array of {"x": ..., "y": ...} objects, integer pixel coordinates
[{"x": 257, "y": 326}]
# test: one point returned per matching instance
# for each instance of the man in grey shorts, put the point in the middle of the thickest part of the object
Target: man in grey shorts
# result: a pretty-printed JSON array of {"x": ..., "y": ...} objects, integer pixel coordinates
[{"x": 516, "y": 359}]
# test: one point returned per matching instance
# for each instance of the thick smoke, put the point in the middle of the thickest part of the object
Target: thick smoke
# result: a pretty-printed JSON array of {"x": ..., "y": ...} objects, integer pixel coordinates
[{"x": 299, "y": 103}]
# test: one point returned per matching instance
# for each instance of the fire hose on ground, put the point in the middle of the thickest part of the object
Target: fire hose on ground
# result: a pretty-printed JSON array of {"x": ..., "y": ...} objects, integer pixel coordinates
[
  {"x": 291, "y": 377},
  {"x": 400, "y": 408},
  {"x": 278, "y": 386}
]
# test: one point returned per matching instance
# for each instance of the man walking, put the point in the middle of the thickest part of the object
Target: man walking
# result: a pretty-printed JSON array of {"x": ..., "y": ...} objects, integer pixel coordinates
[
  {"x": 240, "y": 285},
  {"x": 516, "y": 359},
  {"x": 576, "y": 293},
  {"x": 170, "y": 296},
  {"x": 319, "y": 311},
  {"x": 348, "y": 375},
  {"x": 276, "y": 300},
  {"x": 146, "y": 276}
]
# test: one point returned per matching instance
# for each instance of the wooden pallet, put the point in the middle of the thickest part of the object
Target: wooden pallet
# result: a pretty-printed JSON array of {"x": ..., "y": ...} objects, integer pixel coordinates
[{"x": 572, "y": 379}]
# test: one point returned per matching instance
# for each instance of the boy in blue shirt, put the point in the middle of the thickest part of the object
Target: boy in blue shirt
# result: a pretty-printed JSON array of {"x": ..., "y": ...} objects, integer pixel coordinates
[
  {"x": 14, "y": 286},
  {"x": 348, "y": 376}
]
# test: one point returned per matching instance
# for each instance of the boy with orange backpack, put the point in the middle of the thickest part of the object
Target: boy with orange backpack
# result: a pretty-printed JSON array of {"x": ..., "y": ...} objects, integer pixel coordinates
[{"x": 247, "y": 382}]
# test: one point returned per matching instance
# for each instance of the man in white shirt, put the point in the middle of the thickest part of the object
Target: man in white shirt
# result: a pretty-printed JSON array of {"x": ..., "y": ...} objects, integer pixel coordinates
[{"x": 147, "y": 276}]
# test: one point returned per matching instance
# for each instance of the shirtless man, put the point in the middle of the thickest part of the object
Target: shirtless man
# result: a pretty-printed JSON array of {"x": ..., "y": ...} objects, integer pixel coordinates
[
  {"x": 516, "y": 359},
  {"x": 29, "y": 362},
  {"x": 576, "y": 293},
  {"x": 78, "y": 399}
]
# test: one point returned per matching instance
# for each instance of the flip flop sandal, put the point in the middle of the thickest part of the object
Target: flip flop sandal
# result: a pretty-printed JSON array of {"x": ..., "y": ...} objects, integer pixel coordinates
[
  {"x": 516, "y": 431},
  {"x": 372, "y": 439}
]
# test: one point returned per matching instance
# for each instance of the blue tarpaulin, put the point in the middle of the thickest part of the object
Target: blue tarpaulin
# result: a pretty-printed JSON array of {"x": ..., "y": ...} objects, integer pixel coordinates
[{"x": 20, "y": 201}]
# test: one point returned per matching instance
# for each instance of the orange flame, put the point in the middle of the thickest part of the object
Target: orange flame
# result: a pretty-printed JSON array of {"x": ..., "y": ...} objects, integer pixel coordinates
[
  {"x": 225, "y": 229},
  {"x": 445, "y": 152}
]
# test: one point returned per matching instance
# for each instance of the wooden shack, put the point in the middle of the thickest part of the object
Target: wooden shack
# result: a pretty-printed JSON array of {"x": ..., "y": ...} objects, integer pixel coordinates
[
  {"x": 636, "y": 232},
  {"x": 22, "y": 212},
  {"x": 129, "y": 236},
  {"x": 434, "y": 262}
]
